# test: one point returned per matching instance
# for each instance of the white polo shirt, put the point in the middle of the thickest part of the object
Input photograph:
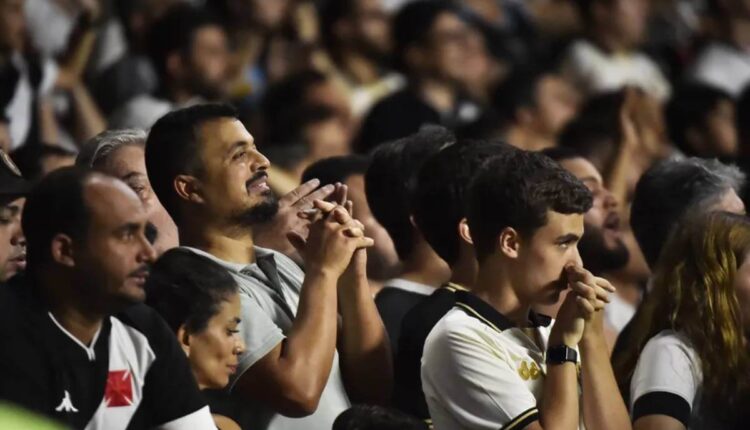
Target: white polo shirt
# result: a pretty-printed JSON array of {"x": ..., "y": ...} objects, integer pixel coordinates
[
  {"x": 481, "y": 371},
  {"x": 667, "y": 381}
]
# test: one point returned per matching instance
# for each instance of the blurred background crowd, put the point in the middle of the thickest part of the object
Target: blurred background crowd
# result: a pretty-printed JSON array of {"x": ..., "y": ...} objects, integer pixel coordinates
[{"x": 623, "y": 82}]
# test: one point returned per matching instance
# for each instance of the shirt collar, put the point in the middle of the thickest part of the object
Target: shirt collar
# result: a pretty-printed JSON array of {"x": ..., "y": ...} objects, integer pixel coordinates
[
  {"x": 410, "y": 286},
  {"x": 260, "y": 253},
  {"x": 484, "y": 312}
]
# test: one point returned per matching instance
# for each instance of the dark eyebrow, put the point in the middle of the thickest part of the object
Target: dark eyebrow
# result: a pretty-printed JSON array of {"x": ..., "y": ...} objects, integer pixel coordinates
[
  {"x": 129, "y": 227},
  {"x": 568, "y": 238},
  {"x": 131, "y": 175}
]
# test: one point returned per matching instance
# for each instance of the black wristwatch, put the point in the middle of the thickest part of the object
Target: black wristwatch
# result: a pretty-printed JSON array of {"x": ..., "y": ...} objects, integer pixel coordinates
[{"x": 561, "y": 354}]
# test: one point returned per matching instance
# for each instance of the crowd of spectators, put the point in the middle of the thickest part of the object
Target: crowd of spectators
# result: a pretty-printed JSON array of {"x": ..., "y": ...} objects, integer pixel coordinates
[{"x": 374, "y": 214}]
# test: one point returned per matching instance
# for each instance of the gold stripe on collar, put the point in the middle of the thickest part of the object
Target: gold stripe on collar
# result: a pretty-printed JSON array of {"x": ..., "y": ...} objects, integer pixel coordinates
[
  {"x": 452, "y": 286},
  {"x": 478, "y": 315}
]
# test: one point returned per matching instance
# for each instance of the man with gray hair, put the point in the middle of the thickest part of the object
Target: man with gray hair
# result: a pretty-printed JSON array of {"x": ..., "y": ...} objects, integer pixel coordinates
[
  {"x": 121, "y": 153},
  {"x": 671, "y": 191},
  {"x": 674, "y": 189}
]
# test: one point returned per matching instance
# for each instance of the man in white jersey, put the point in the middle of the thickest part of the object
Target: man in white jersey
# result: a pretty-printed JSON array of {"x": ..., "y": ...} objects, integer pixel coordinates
[
  {"x": 492, "y": 362},
  {"x": 78, "y": 344}
]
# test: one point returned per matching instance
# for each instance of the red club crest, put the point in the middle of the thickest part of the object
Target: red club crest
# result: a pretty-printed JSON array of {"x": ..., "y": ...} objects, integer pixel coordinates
[{"x": 119, "y": 391}]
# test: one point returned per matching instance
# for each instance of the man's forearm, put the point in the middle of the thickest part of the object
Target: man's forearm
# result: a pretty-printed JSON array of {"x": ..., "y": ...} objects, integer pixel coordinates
[
  {"x": 365, "y": 348},
  {"x": 559, "y": 406},
  {"x": 603, "y": 407},
  {"x": 311, "y": 343}
]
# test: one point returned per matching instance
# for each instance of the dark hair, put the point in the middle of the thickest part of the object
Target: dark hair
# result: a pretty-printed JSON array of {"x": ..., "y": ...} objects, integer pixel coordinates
[
  {"x": 331, "y": 13},
  {"x": 175, "y": 31},
  {"x": 29, "y": 158},
  {"x": 559, "y": 153},
  {"x": 289, "y": 91},
  {"x": 336, "y": 169},
  {"x": 173, "y": 149},
  {"x": 286, "y": 142},
  {"x": 520, "y": 197},
  {"x": 390, "y": 181},
  {"x": 690, "y": 106},
  {"x": 286, "y": 114},
  {"x": 595, "y": 133},
  {"x": 187, "y": 289},
  {"x": 517, "y": 91},
  {"x": 55, "y": 205},
  {"x": 413, "y": 23},
  {"x": 442, "y": 185},
  {"x": 584, "y": 8},
  {"x": 670, "y": 190},
  {"x": 367, "y": 417}
]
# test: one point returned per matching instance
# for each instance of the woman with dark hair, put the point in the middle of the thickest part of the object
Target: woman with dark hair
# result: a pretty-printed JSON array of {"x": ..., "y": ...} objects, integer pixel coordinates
[
  {"x": 688, "y": 366},
  {"x": 200, "y": 302}
]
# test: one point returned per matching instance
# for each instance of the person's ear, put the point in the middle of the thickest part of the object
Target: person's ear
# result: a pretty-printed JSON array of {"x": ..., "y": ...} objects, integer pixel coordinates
[
  {"x": 183, "y": 338},
  {"x": 188, "y": 188},
  {"x": 509, "y": 242},
  {"x": 62, "y": 250},
  {"x": 464, "y": 232}
]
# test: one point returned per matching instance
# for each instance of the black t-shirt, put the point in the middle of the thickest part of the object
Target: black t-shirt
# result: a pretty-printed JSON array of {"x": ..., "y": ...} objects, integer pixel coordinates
[
  {"x": 393, "y": 304},
  {"x": 416, "y": 326},
  {"x": 223, "y": 403},
  {"x": 133, "y": 376}
]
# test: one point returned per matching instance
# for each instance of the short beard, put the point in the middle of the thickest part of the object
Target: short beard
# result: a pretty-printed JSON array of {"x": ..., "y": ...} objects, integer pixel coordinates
[
  {"x": 597, "y": 257},
  {"x": 260, "y": 213}
]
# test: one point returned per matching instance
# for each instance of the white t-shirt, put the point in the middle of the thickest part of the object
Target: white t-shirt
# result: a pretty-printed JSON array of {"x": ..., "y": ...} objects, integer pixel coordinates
[
  {"x": 667, "y": 381},
  {"x": 722, "y": 66},
  {"x": 596, "y": 71},
  {"x": 20, "y": 109},
  {"x": 480, "y": 371}
]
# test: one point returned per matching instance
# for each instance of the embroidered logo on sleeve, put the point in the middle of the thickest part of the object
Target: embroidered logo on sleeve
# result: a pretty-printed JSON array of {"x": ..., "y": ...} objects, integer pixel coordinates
[{"x": 119, "y": 391}]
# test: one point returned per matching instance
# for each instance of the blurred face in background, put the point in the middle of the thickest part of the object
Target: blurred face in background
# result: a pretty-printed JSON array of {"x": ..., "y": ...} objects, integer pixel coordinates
[
  {"x": 555, "y": 105},
  {"x": 12, "y": 25},
  {"x": 627, "y": 19},
  {"x": 269, "y": 14},
  {"x": 371, "y": 29},
  {"x": 719, "y": 136},
  {"x": 208, "y": 63},
  {"x": 329, "y": 137},
  {"x": 455, "y": 52}
]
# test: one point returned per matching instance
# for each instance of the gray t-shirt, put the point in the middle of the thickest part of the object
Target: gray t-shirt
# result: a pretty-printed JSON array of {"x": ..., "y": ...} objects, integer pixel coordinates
[{"x": 269, "y": 296}]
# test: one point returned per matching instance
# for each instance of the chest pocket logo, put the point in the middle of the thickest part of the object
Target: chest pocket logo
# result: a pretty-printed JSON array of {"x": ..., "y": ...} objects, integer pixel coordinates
[{"x": 529, "y": 371}]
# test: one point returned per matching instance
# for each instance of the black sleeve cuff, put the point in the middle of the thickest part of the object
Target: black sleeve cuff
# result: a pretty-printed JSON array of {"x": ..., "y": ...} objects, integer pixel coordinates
[
  {"x": 662, "y": 403},
  {"x": 522, "y": 420}
]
